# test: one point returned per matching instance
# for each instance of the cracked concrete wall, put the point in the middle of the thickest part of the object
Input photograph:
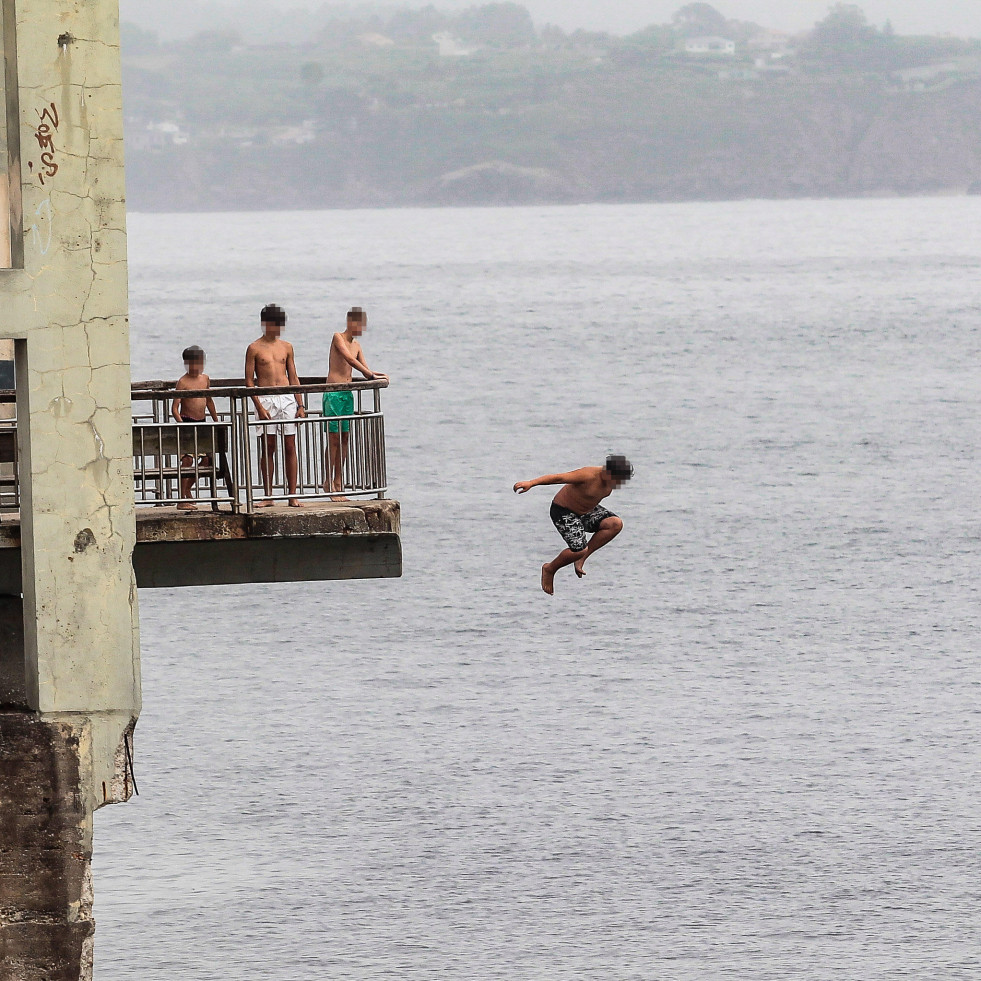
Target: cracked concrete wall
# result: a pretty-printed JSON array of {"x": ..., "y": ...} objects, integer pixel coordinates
[{"x": 67, "y": 310}]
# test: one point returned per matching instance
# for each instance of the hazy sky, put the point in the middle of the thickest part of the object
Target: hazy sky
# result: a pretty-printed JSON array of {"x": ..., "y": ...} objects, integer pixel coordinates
[
  {"x": 962, "y": 17},
  {"x": 908, "y": 16}
]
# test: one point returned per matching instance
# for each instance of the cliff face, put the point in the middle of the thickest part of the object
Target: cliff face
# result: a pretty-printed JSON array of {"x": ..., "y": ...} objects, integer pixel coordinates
[{"x": 790, "y": 138}]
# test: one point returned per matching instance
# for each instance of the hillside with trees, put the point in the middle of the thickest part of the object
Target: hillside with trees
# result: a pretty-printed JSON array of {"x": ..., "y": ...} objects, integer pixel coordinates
[{"x": 401, "y": 107}]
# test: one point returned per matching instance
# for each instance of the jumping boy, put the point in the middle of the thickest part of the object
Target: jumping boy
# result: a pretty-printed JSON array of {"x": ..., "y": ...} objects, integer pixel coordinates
[
  {"x": 191, "y": 409},
  {"x": 576, "y": 511},
  {"x": 345, "y": 355},
  {"x": 268, "y": 364}
]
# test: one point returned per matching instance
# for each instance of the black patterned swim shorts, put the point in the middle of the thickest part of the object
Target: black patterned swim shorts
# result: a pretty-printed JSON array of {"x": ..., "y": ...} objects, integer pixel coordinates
[{"x": 574, "y": 527}]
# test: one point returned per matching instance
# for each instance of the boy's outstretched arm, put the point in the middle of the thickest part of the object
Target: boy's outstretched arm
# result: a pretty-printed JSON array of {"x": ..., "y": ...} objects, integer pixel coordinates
[{"x": 572, "y": 477}]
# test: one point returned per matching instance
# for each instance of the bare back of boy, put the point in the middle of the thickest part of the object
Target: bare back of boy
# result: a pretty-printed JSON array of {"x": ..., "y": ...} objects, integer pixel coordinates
[{"x": 586, "y": 493}]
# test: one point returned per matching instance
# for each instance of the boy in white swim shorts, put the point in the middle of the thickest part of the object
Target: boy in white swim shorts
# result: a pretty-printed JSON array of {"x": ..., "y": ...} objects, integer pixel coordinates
[
  {"x": 281, "y": 409},
  {"x": 269, "y": 363}
]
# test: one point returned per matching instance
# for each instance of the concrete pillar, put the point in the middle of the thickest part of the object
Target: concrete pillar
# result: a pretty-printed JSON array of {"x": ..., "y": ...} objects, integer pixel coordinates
[
  {"x": 70, "y": 696},
  {"x": 45, "y": 850}
]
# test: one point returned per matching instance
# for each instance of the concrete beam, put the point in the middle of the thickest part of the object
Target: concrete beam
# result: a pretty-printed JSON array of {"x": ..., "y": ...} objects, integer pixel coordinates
[{"x": 354, "y": 540}]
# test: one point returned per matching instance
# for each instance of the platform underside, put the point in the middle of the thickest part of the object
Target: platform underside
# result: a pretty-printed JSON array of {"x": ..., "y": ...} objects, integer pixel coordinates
[{"x": 320, "y": 541}]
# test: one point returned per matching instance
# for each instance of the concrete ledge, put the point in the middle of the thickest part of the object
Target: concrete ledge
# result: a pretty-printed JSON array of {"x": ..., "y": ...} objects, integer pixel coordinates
[
  {"x": 315, "y": 518},
  {"x": 322, "y": 541}
]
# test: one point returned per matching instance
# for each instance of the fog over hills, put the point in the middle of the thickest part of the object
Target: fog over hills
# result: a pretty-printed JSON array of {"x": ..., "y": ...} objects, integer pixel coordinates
[
  {"x": 362, "y": 105},
  {"x": 180, "y": 18}
]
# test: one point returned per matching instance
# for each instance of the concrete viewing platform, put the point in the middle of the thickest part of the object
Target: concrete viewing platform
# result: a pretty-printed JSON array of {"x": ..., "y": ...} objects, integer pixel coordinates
[{"x": 355, "y": 539}]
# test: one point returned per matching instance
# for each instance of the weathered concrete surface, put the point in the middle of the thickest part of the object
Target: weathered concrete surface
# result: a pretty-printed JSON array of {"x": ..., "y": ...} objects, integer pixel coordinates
[
  {"x": 351, "y": 540},
  {"x": 342, "y": 518},
  {"x": 46, "y": 925},
  {"x": 64, "y": 303}
]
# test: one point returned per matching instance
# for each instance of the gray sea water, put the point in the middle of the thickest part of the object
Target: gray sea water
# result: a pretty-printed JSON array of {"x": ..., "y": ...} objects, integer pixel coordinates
[{"x": 744, "y": 746}]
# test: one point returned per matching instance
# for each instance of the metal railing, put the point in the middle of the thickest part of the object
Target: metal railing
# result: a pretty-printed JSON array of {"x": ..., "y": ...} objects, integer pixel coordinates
[{"x": 239, "y": 460}]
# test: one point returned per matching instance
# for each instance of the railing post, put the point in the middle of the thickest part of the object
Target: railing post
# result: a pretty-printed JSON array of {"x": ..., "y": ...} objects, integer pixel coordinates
[
  {"x": 382, "y": 469},
  {"x": 247, "y": 448},
  {"x": 232, "y": 451}
]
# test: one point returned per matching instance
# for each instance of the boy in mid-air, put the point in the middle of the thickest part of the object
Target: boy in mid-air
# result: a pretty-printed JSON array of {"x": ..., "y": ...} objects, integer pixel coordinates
[
  {"x": 345, "y": 355},
  {"x": 576, "y": 512},
  {"x": 269, "y": 364},
  {"x": 191, "y": 409}
]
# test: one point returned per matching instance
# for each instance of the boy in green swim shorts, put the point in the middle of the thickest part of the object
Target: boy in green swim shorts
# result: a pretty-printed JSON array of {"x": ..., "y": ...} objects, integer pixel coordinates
[
  {"x": 345, "y": 355},
  {"x": 339, "y": 404}
]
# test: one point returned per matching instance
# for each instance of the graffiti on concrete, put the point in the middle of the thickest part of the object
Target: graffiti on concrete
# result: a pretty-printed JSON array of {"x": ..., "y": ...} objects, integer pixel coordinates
[{"x": 45, "y": 134}]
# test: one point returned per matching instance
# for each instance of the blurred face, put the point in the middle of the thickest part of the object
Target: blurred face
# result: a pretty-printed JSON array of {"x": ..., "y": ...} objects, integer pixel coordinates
[
  {"x": 271, "y": 329},
  {"x": 194, "y": 366},
  {"x": 356, "y": 327}
]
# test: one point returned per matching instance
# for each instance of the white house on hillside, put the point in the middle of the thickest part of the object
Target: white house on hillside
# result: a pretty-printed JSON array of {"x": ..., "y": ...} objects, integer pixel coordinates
[
  {"x": 711, "y": 46},
  {"x": 451, "y": 47}
]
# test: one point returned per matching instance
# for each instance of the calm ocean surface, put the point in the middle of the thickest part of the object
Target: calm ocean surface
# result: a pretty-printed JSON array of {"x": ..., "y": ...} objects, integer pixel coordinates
[{"x": 745, "y": 746}]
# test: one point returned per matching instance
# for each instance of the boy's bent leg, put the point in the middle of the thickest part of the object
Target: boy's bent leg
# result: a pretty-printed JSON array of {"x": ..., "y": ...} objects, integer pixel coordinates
[
  {"x": 564, "y": 558},
  {"x": 608, "y": 530}
]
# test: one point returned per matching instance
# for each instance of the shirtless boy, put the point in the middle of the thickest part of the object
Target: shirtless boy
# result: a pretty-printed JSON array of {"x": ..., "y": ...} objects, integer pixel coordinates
[
  {"x": 269, "y": 363},
  {"x": 191, "y": 409},
  {"x": 345, "y": 355},
  {"x": 576, "y": 511}
]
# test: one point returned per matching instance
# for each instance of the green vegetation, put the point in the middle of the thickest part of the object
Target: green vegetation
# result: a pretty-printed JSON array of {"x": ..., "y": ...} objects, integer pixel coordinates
[{"x": 423, "y": 106}]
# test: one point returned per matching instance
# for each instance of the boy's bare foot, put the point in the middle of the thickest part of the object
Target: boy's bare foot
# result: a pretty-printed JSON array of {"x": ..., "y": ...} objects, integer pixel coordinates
[
  {"x": 264, "y": 503},
  {"x": 187, "y": 507},
  {"x": 579, "y": 568},
  {"x": 294, "y": 503},
  {"x": 547, "y": 579},
  {"x": 338, "y": 497}
]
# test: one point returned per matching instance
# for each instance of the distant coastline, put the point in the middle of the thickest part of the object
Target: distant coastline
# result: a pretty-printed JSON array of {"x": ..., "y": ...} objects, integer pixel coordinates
[{"x": 483, "y": 108}]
